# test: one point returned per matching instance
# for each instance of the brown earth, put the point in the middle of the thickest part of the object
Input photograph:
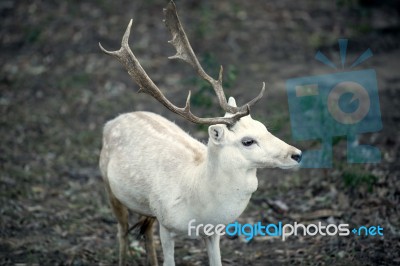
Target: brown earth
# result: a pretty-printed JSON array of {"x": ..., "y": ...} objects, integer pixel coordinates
[{"x": 57, "y": 90}]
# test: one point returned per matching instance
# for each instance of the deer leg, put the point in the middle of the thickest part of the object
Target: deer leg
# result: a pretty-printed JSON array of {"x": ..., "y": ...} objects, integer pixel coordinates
[
  {"x": 213, "y": 251},
  {"x": 121, "y": 212},
  {"x": 150, "y": 249},
  {"x": 167, "y": 243}
]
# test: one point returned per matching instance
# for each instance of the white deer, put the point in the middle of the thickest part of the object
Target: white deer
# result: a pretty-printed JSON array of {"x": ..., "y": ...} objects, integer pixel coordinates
[{"x": 153, "y": 168}]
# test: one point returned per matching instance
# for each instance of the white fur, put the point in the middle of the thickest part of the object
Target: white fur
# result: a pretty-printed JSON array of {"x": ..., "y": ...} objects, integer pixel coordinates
[{"x": 156, "y": 169}]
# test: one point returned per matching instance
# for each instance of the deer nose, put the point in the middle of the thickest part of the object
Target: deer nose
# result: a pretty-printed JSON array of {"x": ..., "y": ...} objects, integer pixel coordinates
[{"x": 296, "y": 157}]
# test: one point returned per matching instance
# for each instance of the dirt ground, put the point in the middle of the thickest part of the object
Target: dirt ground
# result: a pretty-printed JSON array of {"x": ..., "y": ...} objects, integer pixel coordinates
[{"x": 57, "y": 90}]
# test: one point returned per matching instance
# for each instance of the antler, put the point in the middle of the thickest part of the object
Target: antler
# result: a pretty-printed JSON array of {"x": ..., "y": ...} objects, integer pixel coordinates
[{"x": 184, "y": 51}]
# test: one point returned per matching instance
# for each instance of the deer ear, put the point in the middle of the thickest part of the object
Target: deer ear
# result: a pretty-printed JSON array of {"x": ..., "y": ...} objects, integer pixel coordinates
[
  {"x": 216, "y": 133},
  {"x": 232, "y": 102}
]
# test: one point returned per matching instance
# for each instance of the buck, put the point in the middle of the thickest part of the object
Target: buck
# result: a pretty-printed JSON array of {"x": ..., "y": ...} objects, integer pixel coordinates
[{"x": 153, "y": 168}]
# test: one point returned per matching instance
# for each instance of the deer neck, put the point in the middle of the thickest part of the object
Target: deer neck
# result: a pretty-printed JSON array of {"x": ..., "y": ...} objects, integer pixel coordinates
[
  {"x": 224, "y": 175},
  {"x": 224, "y": 189}
]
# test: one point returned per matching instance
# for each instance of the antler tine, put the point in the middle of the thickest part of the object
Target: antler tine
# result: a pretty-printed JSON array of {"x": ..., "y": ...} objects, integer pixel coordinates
[
  {"x": 259, "y": 96},
  {"x": 126, "y": 57},
  {"x": 185, "y": 52}
]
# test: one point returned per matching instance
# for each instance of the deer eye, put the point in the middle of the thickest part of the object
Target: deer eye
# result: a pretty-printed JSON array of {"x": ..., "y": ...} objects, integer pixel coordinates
[{"x": 248, "y": 142}]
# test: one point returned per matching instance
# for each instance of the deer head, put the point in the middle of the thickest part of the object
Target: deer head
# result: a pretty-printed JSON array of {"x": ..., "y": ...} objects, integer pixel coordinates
[{"x": 248, "y": 144}]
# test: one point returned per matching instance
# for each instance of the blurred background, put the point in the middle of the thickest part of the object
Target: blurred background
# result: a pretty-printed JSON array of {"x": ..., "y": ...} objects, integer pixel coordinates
[{"x": 57, "y": 89}]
